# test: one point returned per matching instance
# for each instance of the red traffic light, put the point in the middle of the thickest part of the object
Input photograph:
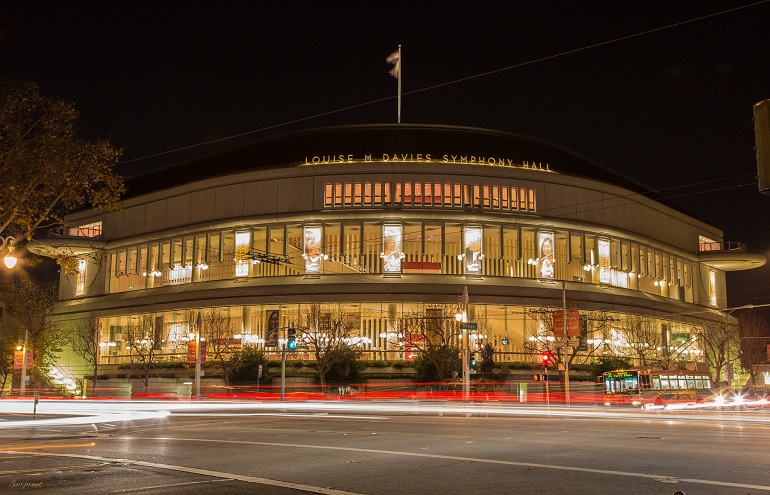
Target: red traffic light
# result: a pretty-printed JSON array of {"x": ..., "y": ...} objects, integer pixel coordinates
[{"x": 546, "y": 356}]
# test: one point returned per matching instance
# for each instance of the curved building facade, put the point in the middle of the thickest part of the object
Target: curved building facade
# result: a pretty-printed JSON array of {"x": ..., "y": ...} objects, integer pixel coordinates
[{"x": 381, "y": 221}]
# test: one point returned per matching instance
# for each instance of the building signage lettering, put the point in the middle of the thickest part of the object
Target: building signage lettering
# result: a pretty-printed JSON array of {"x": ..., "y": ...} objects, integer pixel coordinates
[{"x": 425, "y": 158}]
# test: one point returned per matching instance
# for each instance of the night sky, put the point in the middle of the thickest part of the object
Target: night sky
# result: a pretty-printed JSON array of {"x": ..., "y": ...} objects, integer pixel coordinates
[{"x": 659, "y": 91}]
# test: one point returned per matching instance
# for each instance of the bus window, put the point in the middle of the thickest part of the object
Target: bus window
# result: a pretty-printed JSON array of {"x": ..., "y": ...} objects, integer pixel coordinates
[
  {"x": 690, "y": 381},
  {"x": 656, "y": 382},
  {"x": 664, "y": 382}
]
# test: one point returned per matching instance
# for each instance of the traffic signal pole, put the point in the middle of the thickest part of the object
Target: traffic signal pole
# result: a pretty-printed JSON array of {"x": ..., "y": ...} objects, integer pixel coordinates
[
  {"x": 566, "y": 341},
  {"x": 466, "y": 350},
  {"x": 283, "y": 372}
]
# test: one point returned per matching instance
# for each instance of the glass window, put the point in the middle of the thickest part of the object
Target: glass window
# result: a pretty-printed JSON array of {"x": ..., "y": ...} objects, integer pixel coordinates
[
  {"x": 187, "y": 252},
  {"x": 328, "y": 195},
  {"x": 352, "y": 241},
  {"x": 338, "y": 194},
  {"x": 165, "y": 256},
  {"x": 523, "y": 199},
  {"x": 200, "y": 249},
  {"x": 228, "y": 246},
  {"x": 433, "y": 244},
  {"x": 418, "y": 193},
  {"x": 277, "y": 240},
  {"x": 428, "y": 198},
  {"x": 387, "y": 197},
  {"x": 413, "y": 242},
  {"x": 378, "y": 193},
  {"x": 504, "y": 204},
  {"x": 397, "y": 193},
  {"x": 495, "y": 197},
  {"x": 511, "y": 251},
  {"x": 437, "y": 194},
  {"x": 153, "y": 262},
  {"x": 457, "y": 195},
  {"x": 368, "y": 193},
  {"x": 467, "y": 200},
  {"x": 133, "y": 260},
  {"x": 357, "y": 190},
  {"x": 407, "y": 193},
  {"x": 447, "y": 194},
  {"x": 477, "y": 196},
  {"x": 142, "y": 260},
  {"x": 531, "y": 203},
  {"x": 332, "y": 244},
  {"x": 348, "y": 194}
]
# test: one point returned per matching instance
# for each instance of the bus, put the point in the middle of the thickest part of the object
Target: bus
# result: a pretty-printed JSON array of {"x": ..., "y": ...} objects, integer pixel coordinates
[{"x": 652, "y": 389}]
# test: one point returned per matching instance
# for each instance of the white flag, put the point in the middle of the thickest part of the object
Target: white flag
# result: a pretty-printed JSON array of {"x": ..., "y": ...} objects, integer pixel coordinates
[{"x": 395, "y": 59}]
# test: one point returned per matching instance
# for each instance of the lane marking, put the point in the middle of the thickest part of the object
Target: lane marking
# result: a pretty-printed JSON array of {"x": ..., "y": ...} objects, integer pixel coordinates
[
  {"x": 54, "y": 468},
  {"x": 202, "y": 472},
  {"x": 281, "y": 415},
  {"x": 133, "y": 490},
  {"x": 475, "y": 459}
]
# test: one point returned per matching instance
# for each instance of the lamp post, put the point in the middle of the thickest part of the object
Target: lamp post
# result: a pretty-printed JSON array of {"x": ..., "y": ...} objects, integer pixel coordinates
[
  {"x": 463, "y": 318},
  {"x": 10, "y": 262}
]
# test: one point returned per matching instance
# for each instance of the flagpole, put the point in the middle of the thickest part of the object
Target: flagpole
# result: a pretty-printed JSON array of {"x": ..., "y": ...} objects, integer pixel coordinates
[{"x": 399, "y": 84}]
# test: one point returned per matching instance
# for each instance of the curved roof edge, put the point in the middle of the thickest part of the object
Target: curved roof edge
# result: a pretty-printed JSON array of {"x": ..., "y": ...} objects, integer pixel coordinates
[{"x": 290, "y": 149}]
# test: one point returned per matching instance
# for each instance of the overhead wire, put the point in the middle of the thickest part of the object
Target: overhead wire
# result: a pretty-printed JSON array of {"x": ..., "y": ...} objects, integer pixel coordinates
[{"x": 449, "y": 83}]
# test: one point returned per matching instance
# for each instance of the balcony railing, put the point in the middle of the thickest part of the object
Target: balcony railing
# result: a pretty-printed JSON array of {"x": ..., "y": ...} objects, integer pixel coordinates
[{"x": 722, "y": 246}]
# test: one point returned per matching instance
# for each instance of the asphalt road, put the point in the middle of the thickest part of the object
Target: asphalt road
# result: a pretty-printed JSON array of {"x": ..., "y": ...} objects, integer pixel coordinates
[{"x": 234, "y": 449}]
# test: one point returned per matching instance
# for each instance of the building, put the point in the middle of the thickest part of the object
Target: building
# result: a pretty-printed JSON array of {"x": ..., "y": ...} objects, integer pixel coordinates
[{"x": 382, "y": 221}]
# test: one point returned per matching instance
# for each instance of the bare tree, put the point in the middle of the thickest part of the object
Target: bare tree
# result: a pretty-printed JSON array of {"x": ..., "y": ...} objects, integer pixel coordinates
[
  {"x": 717, "y": 339},
  {"x": 145, "y": 340},
  {"x": 217, "y": 329},
  {"x": 85, "y": 343},
  {"x": 431, "y": 330},
  {"x": 643, "y": 338},
  {"x": 327, "y": 333},
  {"x": 754, "y": 338}
]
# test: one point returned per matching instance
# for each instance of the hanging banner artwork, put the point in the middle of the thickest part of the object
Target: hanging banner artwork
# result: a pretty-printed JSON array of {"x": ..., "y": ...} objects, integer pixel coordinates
[
  {"x": 545, "y": 241},
  {"x": 312, "y": 251},
  {"x": 604, "y": 261},
  {"x": 392, "y": 252},
  {"x": 473, "y": 250},
  {"x": 271, "y": 328},
  {"x": 242, "y": 240}
]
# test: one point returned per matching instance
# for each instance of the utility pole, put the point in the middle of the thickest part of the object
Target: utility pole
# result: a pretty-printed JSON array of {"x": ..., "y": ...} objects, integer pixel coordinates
[
  {"x": 198, "y": 356},
  {"x": 566, "y": 342},
  {"x": 283, "y": 371},
  {"x": 23, "y": 387},
  {"x": 466, "y": 348}
]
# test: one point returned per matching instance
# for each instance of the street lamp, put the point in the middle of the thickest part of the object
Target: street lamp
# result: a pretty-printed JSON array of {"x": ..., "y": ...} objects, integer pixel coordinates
[
  {"x": 463, "y": 318},
  {"x": 10, "y": 259}
]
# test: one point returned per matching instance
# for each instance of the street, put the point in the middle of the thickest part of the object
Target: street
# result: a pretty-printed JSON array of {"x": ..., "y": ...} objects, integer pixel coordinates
[{"x": 371, "y": 448}]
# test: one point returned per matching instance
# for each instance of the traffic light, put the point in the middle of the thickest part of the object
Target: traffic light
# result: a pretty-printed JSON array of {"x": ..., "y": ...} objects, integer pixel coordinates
[
  {"x": 546, "y": 356},
  {"x": 291, "y": 343},
  {"x": 473, "y": 359}
]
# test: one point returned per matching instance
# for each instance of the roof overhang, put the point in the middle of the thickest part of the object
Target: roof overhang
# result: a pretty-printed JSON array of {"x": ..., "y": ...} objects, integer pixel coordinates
[
  {"x": 64, "y": 247},
  {"x": 732, "y": 261}
]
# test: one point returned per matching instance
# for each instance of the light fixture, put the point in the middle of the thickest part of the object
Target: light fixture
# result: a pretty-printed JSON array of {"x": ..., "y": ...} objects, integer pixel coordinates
[{"x": 10, "y": 259}]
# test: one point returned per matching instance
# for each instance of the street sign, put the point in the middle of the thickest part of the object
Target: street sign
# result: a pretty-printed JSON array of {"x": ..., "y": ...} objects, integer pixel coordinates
[
  {"x": 573, "y": 322},
  {"x": 18, "y": 357},
  {"x": 469, "y": 326}
]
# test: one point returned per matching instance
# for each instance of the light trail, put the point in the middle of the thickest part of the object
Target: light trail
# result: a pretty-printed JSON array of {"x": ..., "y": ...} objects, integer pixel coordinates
[{"x": 85, "y": 412}]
